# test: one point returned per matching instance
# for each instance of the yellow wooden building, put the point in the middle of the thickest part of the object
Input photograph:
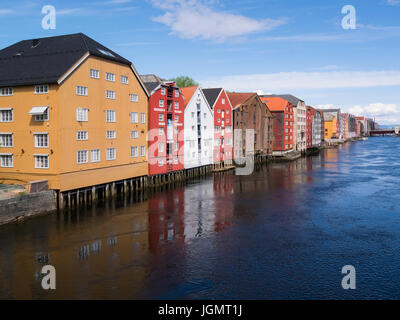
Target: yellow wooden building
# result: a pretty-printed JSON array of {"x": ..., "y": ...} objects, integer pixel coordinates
[{"x": 72, "y": 112}]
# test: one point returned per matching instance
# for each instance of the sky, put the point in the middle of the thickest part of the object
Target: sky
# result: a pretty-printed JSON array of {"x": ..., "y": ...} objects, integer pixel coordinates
[{"x": 299, "y": 47}]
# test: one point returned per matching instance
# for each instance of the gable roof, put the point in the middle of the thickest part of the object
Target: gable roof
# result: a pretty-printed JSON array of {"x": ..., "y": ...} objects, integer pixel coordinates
[
  {"x": 212, "y": 95},
  {"x": 275, "y": 104},
  {"x": 237, "y": 98},
  {"x": 151, "y": 81},
  {"x": 46, "y": 60},
  {"x": 292, "y": 99},
  {"x": 188, "y": 93}
]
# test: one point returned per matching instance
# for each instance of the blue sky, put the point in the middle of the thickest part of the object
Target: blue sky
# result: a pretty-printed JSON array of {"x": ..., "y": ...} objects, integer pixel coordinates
[{"x": 269, "y": 46}]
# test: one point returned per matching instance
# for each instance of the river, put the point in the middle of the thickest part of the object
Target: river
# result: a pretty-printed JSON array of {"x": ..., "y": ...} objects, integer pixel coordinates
[{"x": 285, "y": 232}]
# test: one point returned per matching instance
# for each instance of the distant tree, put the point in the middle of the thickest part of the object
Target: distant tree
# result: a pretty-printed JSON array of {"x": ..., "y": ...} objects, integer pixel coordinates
[{"x": 184, "y": 82}]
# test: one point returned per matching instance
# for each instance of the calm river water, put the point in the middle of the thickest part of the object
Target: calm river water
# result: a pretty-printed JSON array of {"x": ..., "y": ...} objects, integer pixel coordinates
[{"x": 284, "y": 232}]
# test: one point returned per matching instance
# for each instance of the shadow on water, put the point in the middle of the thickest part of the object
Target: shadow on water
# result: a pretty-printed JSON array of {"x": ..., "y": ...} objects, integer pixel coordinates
[{"x": 284, "y": 232}]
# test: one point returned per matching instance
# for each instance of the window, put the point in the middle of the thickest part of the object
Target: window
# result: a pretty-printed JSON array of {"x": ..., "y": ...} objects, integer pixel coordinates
[
  {"x": 82, "y": 114},
  {"x": 6, "y": 92},
  {"x": 163, "y": 91},
  {"x": 41, "y": 161},
  {"x": 176, "y": 118},
  {"x": 161, "y": 163},
  {"x": 111, "y": 134},
  {"x": 41, "y": 140},
  {"x": 110, "y": 94},
  {"x": 192, "y": 115},
  {"x": 176, "y": 105},
  {"x": 176, "y": 93},
  {"x": 42, "y": 89},
  {"x": 176, "y": 146},
  {"x": 124, "y": 80},
  {"x": 134, "y": 134},
  {"x": 6, "y": 160},
  {"x": 176, "y": 161},
  {"x": 42, "y": 117},
  {"x": 6, "y": 140},
  {"x": 161, "y": 131},
  {"x": 110, "y": 116},
  {"x": 142, "y": 117},
  {"x": 134, "y": 152},
  {"x": 95, "y": 155},
  {"x": 95, "y": 74},
  {"x": 82, "y": 135},
  {"x": 111, "y": 154},
  {"x": 161, "y": 103},
  {"x": 228, "y": 141},
  {"x": 82, "y": 157},
  {"x": 81, "y": 91},
  {"x": 161, "y": 147},
  {"x": 142, "y": 151},
  {"x": 219, "y": 111},
  {"x": 6, "y": 115},
  {"x": 223, "y": 100},
  {"x": 161, "y": 117},
  {"x": 228, "y": 129},
  {"x": 110, "y": 76},
  {"x": 133, "y": 97},
  {"x": 134, "y": 117}
]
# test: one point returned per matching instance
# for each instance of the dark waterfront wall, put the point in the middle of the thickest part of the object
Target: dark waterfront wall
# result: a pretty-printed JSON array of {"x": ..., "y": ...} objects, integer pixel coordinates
[{"x": 25, "y": 206}]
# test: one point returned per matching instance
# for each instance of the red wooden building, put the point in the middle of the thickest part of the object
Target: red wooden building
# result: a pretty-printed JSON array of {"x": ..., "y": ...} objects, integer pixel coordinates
[
  {"x": 166, "y": 125},
  {"x": 223, "y": 126},
  {"x": 283, "y": 124}
]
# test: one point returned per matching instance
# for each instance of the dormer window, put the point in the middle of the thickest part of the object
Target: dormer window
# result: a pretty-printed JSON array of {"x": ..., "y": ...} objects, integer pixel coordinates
[{"x": 42, "y": 89}]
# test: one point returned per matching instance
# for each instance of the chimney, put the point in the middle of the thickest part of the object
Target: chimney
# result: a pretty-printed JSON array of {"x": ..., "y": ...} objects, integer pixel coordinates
[{"x": 35, "y": 43}]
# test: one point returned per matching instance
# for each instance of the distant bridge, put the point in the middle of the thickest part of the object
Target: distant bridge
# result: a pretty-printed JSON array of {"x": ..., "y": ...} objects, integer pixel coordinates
[{"x": 385, "y": 132}]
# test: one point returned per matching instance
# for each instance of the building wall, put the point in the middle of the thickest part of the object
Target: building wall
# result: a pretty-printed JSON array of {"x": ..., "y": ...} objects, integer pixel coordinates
[
  {"x": 316, "y": 129},
  {"x": 159, "y": 163},
  {"x": 64, "y": 173},
  {"x": 223, "y": 130},
  {"x": 192, "y": 156},
  {"x": 301, "y": 126},
  {"x": 330, "y": 129}
]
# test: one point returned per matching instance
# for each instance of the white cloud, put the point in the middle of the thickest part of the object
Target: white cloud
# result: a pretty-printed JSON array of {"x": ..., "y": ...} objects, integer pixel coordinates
[
  {"x": 393, "y": 2},
  {"x": 69, "y": 12},
  {"x": 192, "y": 19},
  {"x": 289, "y": 81},
  {"x": 6, "y": 11},
  {"x": 381, "y": 112}
]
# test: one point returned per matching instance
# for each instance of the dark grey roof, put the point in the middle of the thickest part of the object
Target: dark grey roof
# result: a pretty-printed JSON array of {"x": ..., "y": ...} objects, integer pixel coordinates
[
  {"x": 152, "y": 81},
  {"x": 45, "y": 60},
  {"x": 292, "y": 99},
  {"x": 212, "y": 95}
]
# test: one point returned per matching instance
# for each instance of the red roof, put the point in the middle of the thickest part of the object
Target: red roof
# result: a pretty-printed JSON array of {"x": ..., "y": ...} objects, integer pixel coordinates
[
  {"x": 237, "y": 99},
  {"x": 275, "y": 103},
  {"x": 188, "y": 93}
]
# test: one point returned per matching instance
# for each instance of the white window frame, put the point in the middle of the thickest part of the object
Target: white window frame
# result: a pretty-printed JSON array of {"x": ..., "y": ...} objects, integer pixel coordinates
[
  {"x": 42, "y": 89},
  {"x": 95, "y": 155},
  {"x": 39, "y": 141},
  {"x": 6, "y": 92},
  {"x": 82, "y": 114},
  {"x": 82, "y": 135},
  {"x": 134, "y": 134},
  {"x": 114, "y": 154},
  {"x": 111, "y": 116},
  {"x": 110, "y": 76},
  {"x": 134, "y": 152},
  {"x": 111, "y": 135},
  {"x": 42, "y": 117},
  {"x": 124, "y": 79},
  {"x": 161, "y": 103},
  {"x": 110, "y": 94},
  {"x": 36, "y": 156},
  {"x": 80, "y": 159},
  {"x": 161, "y": 117},
  {"x": 163, "y": 91},
  {"x": 133, "y": 97},
  {"x": 142, "y": 117},
  {"x": 142, "y": 151},
  {"x": 4, "y": 112},
  {"x": 134, "y": 117},
  {"x": 161, "y": 147},
  {"x": 82, "y": 91},
  {"x": 176, "y": 93},
  {"x": 2, "y": 139},
  {"x": 10, "y": 158},
  {"x": 94, "y": 74}
]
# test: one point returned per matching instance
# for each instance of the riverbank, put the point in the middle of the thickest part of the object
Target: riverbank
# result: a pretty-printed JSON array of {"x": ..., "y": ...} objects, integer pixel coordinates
[{"x": 22, "y": 207}]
